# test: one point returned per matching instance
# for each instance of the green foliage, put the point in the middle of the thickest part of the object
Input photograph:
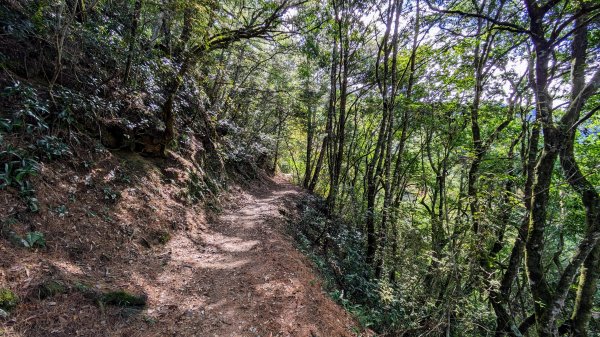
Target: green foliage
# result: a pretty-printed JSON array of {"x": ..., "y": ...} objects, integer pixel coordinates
[
  {"x": 8, "y": 299},
  {"x": 110, "y": 195},
  {"x": 349, "y": 279},
  {"x": 31, "y": 240},
  {"x": 51, "y": 147},
  {"x": 30, "y": 113},
  {"x": 82, "y": 287},
  {"x": 18, "y": 163},
  {"x": 123, "y": 177},
  {"x": 196, "y": 187},
  {"x": 16, "y": 170},
  {"x": 61, "y": 211},
  {"x": 253, "y": 102}
]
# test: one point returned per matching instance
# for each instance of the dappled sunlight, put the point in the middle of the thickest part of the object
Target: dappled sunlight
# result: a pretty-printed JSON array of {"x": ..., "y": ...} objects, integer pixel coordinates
[
  {"x": 184, "y": 252},
  {"x": 277, "y": 288},
  {"x": 229, "y": 244},
  {"x": 68, "y": 267}
]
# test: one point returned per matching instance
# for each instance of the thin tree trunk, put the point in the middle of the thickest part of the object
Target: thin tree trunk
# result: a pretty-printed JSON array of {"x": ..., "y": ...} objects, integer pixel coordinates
[
  {"x": 309, "y": 148},
  {"x": 135, "y": 18},
  {"x": 387, "y": 171},
  {"x": 318, "y": 166}
]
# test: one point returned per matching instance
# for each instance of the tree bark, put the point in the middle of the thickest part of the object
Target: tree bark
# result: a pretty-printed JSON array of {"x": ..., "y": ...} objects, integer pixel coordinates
[
  {"x": 135, "y": 18},
  {"x": 318, "y": 166}
]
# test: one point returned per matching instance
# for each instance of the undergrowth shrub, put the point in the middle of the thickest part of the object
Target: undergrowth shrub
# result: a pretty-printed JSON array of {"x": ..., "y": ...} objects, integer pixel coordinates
[
  {"x": 26, "y": 138},
  {"x": 16, "y": 171},
  {"x": 337, "y": 250},
  {"x": 52, "y": 147}
]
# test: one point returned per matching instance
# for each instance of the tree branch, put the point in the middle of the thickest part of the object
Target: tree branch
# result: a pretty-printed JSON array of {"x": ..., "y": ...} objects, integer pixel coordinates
[{"x": 501, "y": 25}]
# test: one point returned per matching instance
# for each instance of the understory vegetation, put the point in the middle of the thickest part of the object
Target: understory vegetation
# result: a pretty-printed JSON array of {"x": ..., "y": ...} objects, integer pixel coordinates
[{"x": 451, "y": 148}]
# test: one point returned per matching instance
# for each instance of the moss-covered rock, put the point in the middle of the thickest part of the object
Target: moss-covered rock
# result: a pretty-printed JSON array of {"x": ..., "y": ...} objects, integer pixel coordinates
[
  {"x": 8, "y": 299},
  {"x": 51, "y": 288}
]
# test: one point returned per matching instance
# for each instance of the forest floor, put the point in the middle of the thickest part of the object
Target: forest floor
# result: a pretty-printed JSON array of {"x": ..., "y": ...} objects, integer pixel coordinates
[{"x": 231, "y": 272}]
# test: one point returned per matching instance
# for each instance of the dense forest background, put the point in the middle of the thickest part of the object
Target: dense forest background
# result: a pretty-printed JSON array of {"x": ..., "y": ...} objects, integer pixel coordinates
[{"x": 452, "y": 147}]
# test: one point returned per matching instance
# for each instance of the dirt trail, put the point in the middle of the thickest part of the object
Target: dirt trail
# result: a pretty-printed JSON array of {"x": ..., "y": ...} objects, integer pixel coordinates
[
  {"x": 234, "y": 274},
  {"x": 242, "y": 275}
]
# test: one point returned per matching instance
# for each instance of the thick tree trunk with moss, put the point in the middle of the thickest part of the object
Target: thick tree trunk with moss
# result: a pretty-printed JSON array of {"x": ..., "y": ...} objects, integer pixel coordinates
[
  {"x": 590, "y": 271},
  {"x": 586, "y": 290},
  {"x": 169, "y": 115},
  {"x": 548, "y": 302}
]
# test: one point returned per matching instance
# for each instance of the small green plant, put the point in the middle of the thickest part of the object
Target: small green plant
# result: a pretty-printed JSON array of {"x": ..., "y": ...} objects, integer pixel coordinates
[
  {"x": 61, "y": 211},
  {"x": 32, "y": 204},
  {"x": 31, "y": 239},
  {"x": 66, "y": 117},
  {"x": 111, "y": 195},
  {"x": 15, "y": 172},
  {"x": 124, "y": 178},
  {"x": 34, "y": 240},
  {"x": 82, "y": 287}
]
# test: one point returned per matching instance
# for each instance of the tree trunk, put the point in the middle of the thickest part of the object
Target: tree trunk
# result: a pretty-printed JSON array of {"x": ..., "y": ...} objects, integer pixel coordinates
[
  {"x": 590, "y": 271},
  {"x": 168, "y": 114},
  {"x": 309, "y": 148},
  {"x": 318, "y": 166},
  {"x": 135, "y": 18}
]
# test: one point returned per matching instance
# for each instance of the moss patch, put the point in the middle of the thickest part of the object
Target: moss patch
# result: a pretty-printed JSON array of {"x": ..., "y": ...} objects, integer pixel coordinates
[
  {"x": 51, "y": 288},
  {"x": 8, "y": 299},
  {"x": 163, "y": 237},
  {"x": 123, "y": 299}
]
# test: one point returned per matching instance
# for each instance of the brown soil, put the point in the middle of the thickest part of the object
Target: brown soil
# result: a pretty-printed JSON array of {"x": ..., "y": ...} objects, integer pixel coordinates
[{"x": 233, "y": 273}]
